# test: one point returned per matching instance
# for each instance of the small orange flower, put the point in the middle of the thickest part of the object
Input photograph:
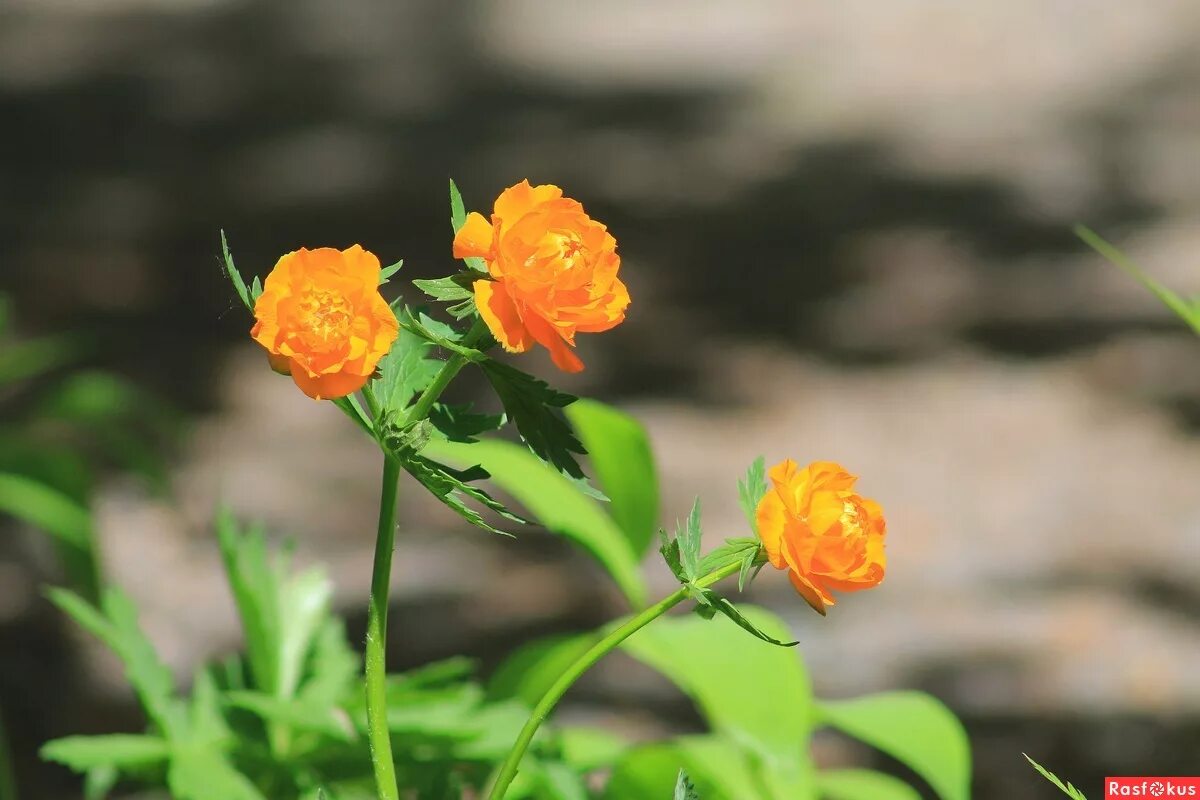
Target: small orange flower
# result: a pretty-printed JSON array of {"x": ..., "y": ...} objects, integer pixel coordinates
[
  {"x": 814, "y": 525},
  {"x": 553, "y": 270},
  {"x": 321, "y": 318}
]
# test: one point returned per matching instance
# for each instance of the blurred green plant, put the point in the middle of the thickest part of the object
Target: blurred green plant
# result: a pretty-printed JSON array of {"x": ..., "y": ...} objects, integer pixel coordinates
[{"x": 1067, "y": 789}]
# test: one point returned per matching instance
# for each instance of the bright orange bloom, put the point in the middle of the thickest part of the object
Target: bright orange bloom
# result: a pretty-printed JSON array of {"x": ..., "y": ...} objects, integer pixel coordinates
[
  {"x": 814, "y": 525},
  {"x": 553, "y": 270},
  {"x": 322, "y": 319}
]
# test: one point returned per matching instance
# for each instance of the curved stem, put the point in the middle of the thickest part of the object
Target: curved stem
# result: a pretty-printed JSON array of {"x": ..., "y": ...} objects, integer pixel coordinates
[
  {"x": 376, "y": 646},
  {"x": 508, "y": 770}
]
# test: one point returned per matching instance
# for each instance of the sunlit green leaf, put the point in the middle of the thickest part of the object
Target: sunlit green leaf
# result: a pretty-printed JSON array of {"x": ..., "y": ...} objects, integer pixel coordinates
[
  {"x": 1067, "y": 789},
  {"x": 405, "y": 371},
  {"x": 448, "y": 289},
  {"x": 533, "y": 406},
  {"x": 751, "y": 490},
  {"x": 555, "y": 502},
  {"x": 390, "y": 270},
  {"x": 459, "y": 423},
  {"x": 82, "y": 753},
  {"x": 202, "y": 774},
  {"x": 684, "y": 789},
  {"x": 235, "y": 277},
  {"x": 623, "y": 465},
  {"x": 913, "y": 728},
  {"x": 863, "y": 784},
  {"x": 451, "y": 486},
  {"x": 530, "y": 671}
]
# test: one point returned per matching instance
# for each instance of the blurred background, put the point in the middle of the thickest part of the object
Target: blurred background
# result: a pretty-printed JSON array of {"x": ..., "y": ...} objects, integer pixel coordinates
[{"x": 847, "y": 231}]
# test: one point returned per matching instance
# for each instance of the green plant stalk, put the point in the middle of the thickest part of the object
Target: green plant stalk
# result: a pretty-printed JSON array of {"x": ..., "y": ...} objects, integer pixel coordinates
[
  {"x": 378, "y": 736},
  {"x": 508, "y": 770}
]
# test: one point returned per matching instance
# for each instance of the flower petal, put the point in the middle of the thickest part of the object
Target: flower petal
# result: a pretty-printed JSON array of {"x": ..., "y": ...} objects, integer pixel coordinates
[
  {"x": 517, "y": 201},
  {"x": 550, "y": 338},
  {"x": 500, "y": 313},
  {"x": 328, "y": 386},
  {"x": 474, "y": 238}
]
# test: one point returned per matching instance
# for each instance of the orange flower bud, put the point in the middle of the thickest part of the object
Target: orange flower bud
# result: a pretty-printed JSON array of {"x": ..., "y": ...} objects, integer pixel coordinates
[
  {"x": 321, "y": 318},
  {"x": 553, "y": 270},
  {"x": 814, "y": 525}
]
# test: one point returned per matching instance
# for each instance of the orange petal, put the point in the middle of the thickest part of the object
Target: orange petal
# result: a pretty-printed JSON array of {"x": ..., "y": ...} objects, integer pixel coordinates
[
  {"x": 497, "y": 309},
  {"x": 329, "y": 386},
  {"x": 362, "y": 265},
  {"x": 771, "y": 518},
  {"x": 280, "y": 363},
  {"x": 517, "y": 201},
  {"x": 811, "y": 594},
  {"x": 548, "y": 337},
  {"x": 474, "y": 238}
]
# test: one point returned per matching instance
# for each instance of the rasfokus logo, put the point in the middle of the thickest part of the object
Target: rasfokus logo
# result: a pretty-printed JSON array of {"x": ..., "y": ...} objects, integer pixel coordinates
[{"x": 1151, "y": 787}]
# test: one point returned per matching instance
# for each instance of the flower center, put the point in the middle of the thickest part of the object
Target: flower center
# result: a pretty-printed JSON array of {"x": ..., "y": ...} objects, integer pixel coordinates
[
  {"x": 325, "y": 314},
  {"x": 851, "y": 520}
]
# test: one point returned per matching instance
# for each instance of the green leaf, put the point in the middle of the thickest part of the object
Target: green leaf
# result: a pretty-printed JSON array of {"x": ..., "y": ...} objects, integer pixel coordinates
[
  {"x": 438, "y": 333},
  {"x": 863, "y": 784},
  {"x": 556, "y": 503},
  {"x": 304, "y": 603},
  {"x": 587, "y": 749},
  {"x": 689, "y": 537},
  {"x": 449, "y": 289},
  {"x": 559, "y": 782},
  {"x": 235, "y": 277},
  {"x": 718, "y": 769},
  {"x": 751, "y": 490},
  {"x": 459, "y": 423},
  {"x": 530, "y": 671},
  {"x": 406, "y": 370},
  {"x": 23, "y": 360},
  {"x": 623, "y": 465},
  {"x": 99, "y": 782},
  {"x": 728, "y": 552},
  {"x": 1067, "y": 789},
  {"x": 670, "y": 552},
  {"x": 770, "y": 714},
  {"x": 719, "y": 603},
  {"x": 458, "y": 218},
  {"x": 913, "y": 728},
  {"x": 450, "y": 486},
  {"x": 256, "y": 288},
  {"x": 684, "y": 790},
  {"x": 121, "y": 750},
  {"x": 1188, "y": 312},
  {"x": 333, "y": 666},
  {"x": 296, "y": 714},
  {"x": 201, "y": 774},
  {"x": 533, "y": 406},
  {"x": 117, "y": 627},
  {"x": 46, "y": 508},
  {"x": 206, "y": 723},
  {"x": 255, "y": 587},
  {"x": 389, "y": 271}
]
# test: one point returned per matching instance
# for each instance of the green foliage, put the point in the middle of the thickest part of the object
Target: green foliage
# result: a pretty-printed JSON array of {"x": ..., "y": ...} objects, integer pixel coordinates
[
  {"x": 404, "y": 372},
  {"x": 554, "y": 501},
  {"x": 451, "y": 487},
  {"x": 751, "y": 490},
  {"x": 913, "y": 728},
  {"x": 863, "y": 784},
  {"x": 1188, "y": 310},
  {"x": 531, "y": 669},
  {"x": 239, "y": 286},
  {"x": 684, "y": 789},
  {"x": 1067, "y": 789},
  {"x": 623, "y": 464},
  {"x": 534, "y": 408},
  {"x": 387, "y": 272}
]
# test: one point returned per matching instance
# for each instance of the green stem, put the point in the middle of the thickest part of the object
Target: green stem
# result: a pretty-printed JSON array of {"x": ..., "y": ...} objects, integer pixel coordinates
[
  {"x": 456, "y": 362},
  {"x": 378, "y": 735},
  {"x": 376, "y": 647},
  {"x": 508, "y": 770}
]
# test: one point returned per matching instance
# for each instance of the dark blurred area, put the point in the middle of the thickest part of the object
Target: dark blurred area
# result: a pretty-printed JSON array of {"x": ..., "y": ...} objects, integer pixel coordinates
[{"x": 846, "y": 228}]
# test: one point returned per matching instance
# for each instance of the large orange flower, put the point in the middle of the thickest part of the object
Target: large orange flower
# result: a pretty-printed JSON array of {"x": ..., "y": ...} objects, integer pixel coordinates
[
  {"x": 321, "y": 318},
  {"x": 814, "y": 525},
  {"x": 553, "y": 270}
]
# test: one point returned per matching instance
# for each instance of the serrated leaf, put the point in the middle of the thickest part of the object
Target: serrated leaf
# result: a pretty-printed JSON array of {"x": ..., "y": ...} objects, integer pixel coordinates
[
  {"x": 458, "y": 423},
  {"x": 684, "y": 790},
  {"x": 462, "y": 310},
  {"x": 235, "y": 277},
  {"x": 670, "y": 553},
  {"x": 717, "y": 767},
  {"x": 458, "y": 218},
  {"x": 389, "y": 271},
  {"x": 533, "y": 407},
  {"x": 201, "y": 774},
  {"x": 556, "y": 502},
  {"x": 863, "y": 784},
  {"x": 438, "y": 333},
  {"x": 407, "y": 441},
  {"x": 121, "y": 750},
  {"x": 751, "y": 490},
  {"x": 406, "y": 370},
  {"x": 915, "y": 729},
  {"x": 98, "y": 782},
  {"x": 333, "y": 666},
  {"x": 206, "y": 723},
  {"x": 116, "y": 625},
  {"x": 1067, "y": 789},
  {"x": 448, "y": 486},
  {"x": 255, "y": 587},
  {"x": 623, "y": 464},
  {"x": 729, "y": 551},
  {"x": 689, "y": 537},
  {"x": 448, "y": 289},
  {"x": 719, "y": 603},
  {"x": 256, "y": 289}
]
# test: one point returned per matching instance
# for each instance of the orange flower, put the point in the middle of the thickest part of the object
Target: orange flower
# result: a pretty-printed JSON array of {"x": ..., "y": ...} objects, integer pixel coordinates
[
  {"x": 814, "y": 525},
  {"x": 322, "y": 319},
  {"x": 553, "y": 270}
]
